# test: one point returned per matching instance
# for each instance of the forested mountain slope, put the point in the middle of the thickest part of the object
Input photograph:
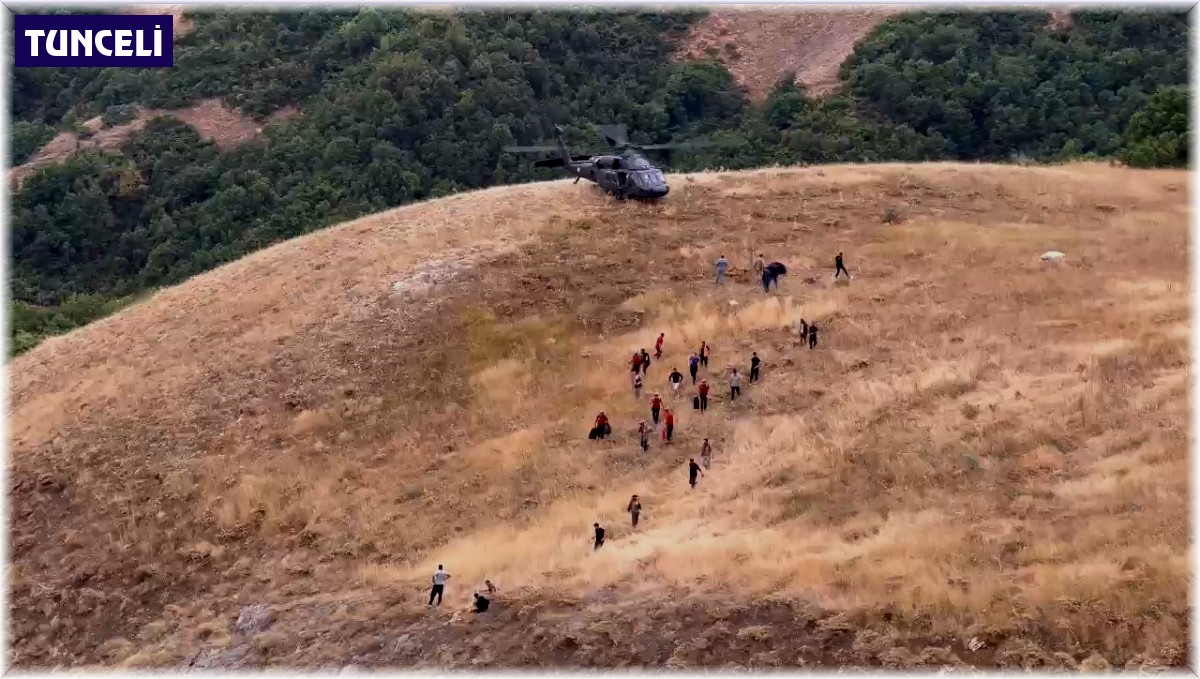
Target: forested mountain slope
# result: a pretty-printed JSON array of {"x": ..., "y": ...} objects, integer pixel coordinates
[{"x": 388, "y": 107}]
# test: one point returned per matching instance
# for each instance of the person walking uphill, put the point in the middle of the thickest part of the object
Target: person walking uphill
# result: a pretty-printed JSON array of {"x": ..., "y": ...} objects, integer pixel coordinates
[
  {"x": 675, "y": 379},
  {"x": 694, "y": 366},
  {"x": 702, "y": 391},
  {"x": 645, "y": 361},
  {"x": 759, "y": 264},
  {"x": 705, "y": 352},
  {"x": 601, "y": 428},
  {"x": 440, "y": 577},
  {"x": 658, "y": 344},
  {"x": 693, "y": 470},
  {"x": 812, "y": 336},
  {"x": 722, "y": 269},
  {"x": 706, "y": 454},
  {"x": 669, "y": 420},
  {"x": 643, "y": 436},
  {"x": 755, "y": 362},
  {"x": 655, "y": 406},
  {"x": 634, "y": 509},
  {"x": 735, "y": 385},
  {"x": 766, "y": 280},
  {"x": 635, "y": 363},
  {"x": 840, "y": 266},
  {"x": 637, "y": 386},
  {"x": 599, "y": 536}
]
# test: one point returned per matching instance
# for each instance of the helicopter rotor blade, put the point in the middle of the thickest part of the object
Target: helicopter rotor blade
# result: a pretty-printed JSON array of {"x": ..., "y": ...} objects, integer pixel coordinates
[
  {"x": 615, "y": 134},
  {"x": 529, "y": 149},
  {"x": 687, "y": 145}
]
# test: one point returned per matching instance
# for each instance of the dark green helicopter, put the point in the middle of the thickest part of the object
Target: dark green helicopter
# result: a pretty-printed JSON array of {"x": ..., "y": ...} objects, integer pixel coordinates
[{"x": 625, "y": 173}]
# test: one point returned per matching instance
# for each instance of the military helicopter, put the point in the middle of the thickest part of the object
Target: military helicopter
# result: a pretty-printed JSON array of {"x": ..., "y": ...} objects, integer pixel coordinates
[{"x": 625, "y": 173}]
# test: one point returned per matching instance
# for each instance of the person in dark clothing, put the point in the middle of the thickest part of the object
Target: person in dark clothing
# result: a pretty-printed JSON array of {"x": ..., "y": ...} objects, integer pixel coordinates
[
  {"x": 655, "y": 406},
  {"x": 771, "y": 274},
  {"x": 645, "y": 361},
  {"x": 703, "y": 393},
  {"x": 693, "y": 470},
  {"x": 803, "y": 330},
  {"x": 755, "y": 362},
  {"x": 777, "y": 269},
  {"x": 812, "y": 336},
  {"x": 599, "y": 536},
  {"x": 841, "y": 268},
  {"x": 694, "y": 366},
  {"x": 644, "y": 436},
  {"x": 634, "y": 509},
  {"x": 481, "y": 603},
  {"x": 440, "y": 576},
  {"x": 704, "y": 352},
  {"x": 675, "y": 379}
]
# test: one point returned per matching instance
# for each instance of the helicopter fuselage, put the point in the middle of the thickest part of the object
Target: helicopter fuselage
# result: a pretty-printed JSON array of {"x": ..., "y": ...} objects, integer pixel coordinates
[{"x": 623, "y": 176}]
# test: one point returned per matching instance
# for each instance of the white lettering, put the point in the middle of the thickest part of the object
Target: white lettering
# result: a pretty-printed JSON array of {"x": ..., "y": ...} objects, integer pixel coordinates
[
  {"x": 157, "y": 41},
  {"x": 100, "y": 36},
  {"x": 141, "y": 50},
  {"x": 124, "y": 38},
  {"x": 81, "y": 43},
  {"x": 61, "y": 49},
  {"x": 33, "y": 41}
]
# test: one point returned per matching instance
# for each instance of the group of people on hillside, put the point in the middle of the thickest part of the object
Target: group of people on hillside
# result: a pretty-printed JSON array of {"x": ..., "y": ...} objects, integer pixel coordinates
[
  {"x": 440, "y": 576},
  {"x": 770, "y": 273},
  {"x": 639, "y": 364}
]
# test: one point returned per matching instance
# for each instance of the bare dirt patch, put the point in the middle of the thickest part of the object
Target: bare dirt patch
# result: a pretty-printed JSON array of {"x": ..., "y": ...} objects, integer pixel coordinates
[
  {"x": 760, "y": 43},
  {"x": 182, "y": 25},
  {"x": 211, "y": 118}
]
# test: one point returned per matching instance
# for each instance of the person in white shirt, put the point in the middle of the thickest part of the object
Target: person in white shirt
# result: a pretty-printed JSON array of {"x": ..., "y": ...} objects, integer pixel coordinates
[
  {"x": 735, "y": 385},
  {"x": 439, "y": 583}
]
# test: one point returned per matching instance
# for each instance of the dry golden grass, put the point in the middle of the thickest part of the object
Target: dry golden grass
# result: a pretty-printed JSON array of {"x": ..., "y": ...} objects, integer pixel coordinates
[{"x": 982, "y": 447}]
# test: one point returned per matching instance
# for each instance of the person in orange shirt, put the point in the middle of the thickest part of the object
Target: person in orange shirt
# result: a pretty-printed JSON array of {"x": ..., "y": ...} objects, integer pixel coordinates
[
  {"x": 669, "y": 419},
  {"x": 703, "y": 389},
  {"x": 658, "y": 345}
]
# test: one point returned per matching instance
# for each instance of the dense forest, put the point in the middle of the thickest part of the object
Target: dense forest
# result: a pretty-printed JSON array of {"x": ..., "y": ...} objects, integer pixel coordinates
[{"x": 399, "y": 106}]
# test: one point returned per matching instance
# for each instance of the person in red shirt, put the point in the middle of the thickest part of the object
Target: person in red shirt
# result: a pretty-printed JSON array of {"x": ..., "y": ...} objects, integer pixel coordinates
[
  {"x": 669, "y": 418},
  {"x": 655, "y": 406},
  {"x": 601, "y": 429},
  {"x": 703, "y": 389},
  {"x": 658, "y": 345},
  {"x": 635, "y": 363}
]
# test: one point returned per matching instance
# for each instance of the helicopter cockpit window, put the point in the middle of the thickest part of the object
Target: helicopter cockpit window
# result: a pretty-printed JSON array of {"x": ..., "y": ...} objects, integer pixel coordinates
[
  {"x": 637, "y": 164},
  {"x": 650, "y": 179}
]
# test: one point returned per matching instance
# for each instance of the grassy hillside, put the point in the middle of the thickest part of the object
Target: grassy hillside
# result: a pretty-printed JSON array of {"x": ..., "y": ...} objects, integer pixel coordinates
[
  {"x": 370, "y": 109},
  {"x": 983, "y": 462}
]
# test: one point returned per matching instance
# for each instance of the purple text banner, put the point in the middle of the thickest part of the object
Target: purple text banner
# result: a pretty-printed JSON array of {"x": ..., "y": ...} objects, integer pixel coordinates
[{"x": 94, "y": 40}]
